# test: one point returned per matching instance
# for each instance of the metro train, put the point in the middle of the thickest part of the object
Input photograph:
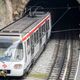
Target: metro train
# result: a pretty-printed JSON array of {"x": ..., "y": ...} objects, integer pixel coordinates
[{"x": 22, "y": 42}]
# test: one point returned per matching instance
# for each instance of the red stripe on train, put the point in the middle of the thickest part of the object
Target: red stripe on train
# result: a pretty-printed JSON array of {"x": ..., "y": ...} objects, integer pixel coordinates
[{"x": 39, "y": 25}]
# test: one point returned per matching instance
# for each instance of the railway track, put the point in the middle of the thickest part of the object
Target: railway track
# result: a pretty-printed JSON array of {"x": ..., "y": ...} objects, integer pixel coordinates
[
  {"x": 66, "y": 70},
  {"x": 40, "y": 70},
  {"x": 68, "y": 62},
  {"x": 69, "y": 72},
  {"x": 73, "y": 61},
  {"x": 58, "y": 62},
  {"x": 56, "y": 68}
]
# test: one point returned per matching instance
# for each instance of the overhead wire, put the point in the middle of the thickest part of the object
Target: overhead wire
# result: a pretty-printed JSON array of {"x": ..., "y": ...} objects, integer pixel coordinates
[
  {"x": 65, "y": 12},
  {"x": 55, "y": 8},
  {"x": 65, "y": 30}
]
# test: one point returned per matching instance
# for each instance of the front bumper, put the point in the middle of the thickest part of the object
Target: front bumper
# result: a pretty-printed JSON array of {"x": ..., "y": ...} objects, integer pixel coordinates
[{"x": 15, "y": 72}]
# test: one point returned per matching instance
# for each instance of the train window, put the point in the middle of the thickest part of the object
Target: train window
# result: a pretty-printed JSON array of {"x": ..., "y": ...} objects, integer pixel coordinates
[
  {"x": 32, "y": 39},
  {"x": 40, "y": 35},
  {"x": 28, "y": 46},
  {"x": 47, "y": 25},
  {"x": 32, "y": 50},
  {"x": 35, "y": 37},
  {"x": 25, "y": 44},
  {"x": 40, "y": 32},
  {"x": 28, "y": 42},
  {"x": 32, "y": 43},
  {"x": 43, "y": 27},
  {"x": 19, "y": 52}
]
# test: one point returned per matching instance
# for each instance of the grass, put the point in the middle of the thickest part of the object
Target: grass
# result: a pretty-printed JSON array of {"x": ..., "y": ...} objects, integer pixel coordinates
[{"x": 39, "y": 75}]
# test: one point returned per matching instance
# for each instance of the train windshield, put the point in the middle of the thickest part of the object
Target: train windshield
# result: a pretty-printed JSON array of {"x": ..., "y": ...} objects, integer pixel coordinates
[{"x": 11, "y": 50}]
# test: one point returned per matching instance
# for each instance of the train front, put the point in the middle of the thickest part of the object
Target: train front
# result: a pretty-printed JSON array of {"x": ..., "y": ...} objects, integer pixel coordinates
[{"x": 11, "y": 56}]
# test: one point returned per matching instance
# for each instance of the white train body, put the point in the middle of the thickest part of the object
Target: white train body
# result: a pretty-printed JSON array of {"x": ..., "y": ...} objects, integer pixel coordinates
[{"x": 22, "y": 42}]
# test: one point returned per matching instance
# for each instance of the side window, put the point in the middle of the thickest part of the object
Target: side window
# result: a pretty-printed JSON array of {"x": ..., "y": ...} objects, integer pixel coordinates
[
  {"x": 28, "y": 45},
  {"x": 40, "y": 35},
  {"x": 28, "y": 42},
  {"x": 40, "y": 32},
  {"x": 43, "y": 28},
  {"x": 35, "y": 37},
  {"x": 32, "y": 43},
  {"x": 25, "y": 44},
  {"x": 47, "y": 25},
  {"x": 32, "y": 39},
  {"x": 19, "y": 52}
]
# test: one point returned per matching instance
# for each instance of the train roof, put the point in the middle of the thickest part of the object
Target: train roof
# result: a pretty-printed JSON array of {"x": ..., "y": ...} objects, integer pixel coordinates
[{"x": 24, "y": 24}]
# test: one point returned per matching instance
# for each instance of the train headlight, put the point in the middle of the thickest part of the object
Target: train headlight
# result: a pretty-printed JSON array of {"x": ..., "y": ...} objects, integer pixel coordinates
[{"x": 17, "y": 66}]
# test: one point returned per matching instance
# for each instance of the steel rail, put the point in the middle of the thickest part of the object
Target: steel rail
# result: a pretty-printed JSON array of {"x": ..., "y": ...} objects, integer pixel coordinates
[
  {"x": 61, "y": 61},
  {"x": 54, "y": 61}
]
